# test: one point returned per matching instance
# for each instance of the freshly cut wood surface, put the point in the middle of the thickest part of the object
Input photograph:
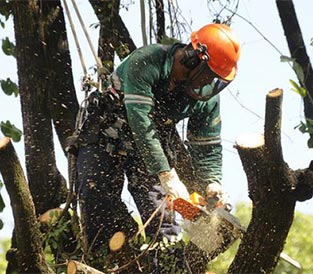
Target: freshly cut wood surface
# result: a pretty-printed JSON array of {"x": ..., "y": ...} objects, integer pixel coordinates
[{"x": 117, "y": 241}]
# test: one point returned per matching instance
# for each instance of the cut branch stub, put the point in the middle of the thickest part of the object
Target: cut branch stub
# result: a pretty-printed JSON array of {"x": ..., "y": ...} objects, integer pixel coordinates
[
  {"x": 117, "y": 241},
  {"x": 74, "y": 267},
  {"x": 251, "y": 147},
  {"x": 272, "y": 127}
]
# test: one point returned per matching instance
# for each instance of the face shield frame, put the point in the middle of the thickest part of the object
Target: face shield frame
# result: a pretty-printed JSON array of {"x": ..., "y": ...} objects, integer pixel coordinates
[{"x": 200, "y": 94}]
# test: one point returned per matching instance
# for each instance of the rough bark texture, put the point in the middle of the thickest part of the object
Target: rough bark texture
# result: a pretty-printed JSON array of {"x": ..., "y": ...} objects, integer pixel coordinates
[
  {"x": 271, "y": 188},
  {"x": 297, "y": 50},
  {"x": 114, "y": 36},
  {"x": 159, "y": 7},
  {"x": 29, "y": 249},
  {"x": 47, "y": 93}
]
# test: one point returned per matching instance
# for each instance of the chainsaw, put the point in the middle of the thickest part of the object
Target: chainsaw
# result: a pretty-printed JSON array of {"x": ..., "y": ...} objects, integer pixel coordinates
[{"x": 208, "y": 223}]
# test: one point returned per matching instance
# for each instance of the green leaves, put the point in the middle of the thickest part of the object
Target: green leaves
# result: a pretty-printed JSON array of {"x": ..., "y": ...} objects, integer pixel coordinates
[
  {"x": 296, "y": 88},
  {"x": 296, "y": 67},
  {"x": 11, "y": 131},
  {"x": 307, "y": 128},
  {"x": 5, "y": 11},
  {"x": 9, "y": 87},
  {"x": 8, "y": 47},
  {"x": 300, "y": 75}
]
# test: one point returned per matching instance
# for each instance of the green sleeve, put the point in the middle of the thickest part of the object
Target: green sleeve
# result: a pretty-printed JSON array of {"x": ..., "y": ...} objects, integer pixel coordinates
[
  {"x": 146, "y": 137},
  {"x": 204, "y": 142},
  {"x": 139, "y": 74}
]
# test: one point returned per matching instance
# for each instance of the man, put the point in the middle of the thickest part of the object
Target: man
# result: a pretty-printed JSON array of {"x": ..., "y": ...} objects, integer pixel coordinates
[{"x": 130, "y": 131}]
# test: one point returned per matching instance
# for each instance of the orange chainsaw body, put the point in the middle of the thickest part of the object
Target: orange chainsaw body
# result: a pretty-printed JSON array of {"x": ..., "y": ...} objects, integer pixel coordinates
[{"x": 189, "y": 209}]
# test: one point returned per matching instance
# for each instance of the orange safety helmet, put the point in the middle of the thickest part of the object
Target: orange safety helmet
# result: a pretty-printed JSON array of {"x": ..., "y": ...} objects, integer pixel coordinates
[{"x": 222, "y": 46}]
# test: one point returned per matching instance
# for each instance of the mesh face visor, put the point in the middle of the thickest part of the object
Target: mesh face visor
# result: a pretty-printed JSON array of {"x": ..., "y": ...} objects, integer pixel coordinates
[{"x": 206, "y": 92}]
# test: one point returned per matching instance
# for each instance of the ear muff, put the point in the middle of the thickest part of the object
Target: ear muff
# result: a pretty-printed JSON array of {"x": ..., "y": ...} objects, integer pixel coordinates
[
  {"x": 193, "y": 57},
  {"x": 190, "y": 58}
]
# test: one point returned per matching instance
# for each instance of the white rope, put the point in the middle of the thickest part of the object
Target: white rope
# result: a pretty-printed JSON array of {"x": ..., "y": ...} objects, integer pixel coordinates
[
  {"x": 82, "y": 61},
  {"x": 86, "y": 79},
  {"x": 97, "y": 59}
]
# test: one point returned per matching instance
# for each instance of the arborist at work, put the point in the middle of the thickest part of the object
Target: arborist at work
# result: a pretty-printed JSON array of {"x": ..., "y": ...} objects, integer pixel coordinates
[{"x": 130, "y": 132}]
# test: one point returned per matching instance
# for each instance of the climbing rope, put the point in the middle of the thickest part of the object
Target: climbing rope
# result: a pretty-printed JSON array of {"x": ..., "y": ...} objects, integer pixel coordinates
[
  {"x": 86, "y": 86},
  {"x": 86, "y": 81}
]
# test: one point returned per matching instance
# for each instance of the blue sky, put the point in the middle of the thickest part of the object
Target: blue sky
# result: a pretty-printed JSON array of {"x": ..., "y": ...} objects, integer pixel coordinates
[{"x": 243, "y": 104}]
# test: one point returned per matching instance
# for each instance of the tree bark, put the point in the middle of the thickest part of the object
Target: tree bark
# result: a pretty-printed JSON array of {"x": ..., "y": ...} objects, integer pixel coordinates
[
  {"x": 297, "y": 50},
  {"x": 160, "y": 20},
  {"x": 46, "y": 91},
  {"x": 271, "y": 188},
  {"x": 29, "y": 249},
  {"x": 114, "y": 36}
]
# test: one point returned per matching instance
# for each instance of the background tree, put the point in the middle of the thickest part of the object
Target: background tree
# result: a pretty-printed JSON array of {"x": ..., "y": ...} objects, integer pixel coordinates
[
  {"x": 47, "y": 91},
  {"x": 300, "y": 61}
]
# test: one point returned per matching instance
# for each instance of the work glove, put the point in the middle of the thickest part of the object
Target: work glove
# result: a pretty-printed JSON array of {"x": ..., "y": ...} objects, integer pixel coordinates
[
  {"x": 217, "y": 197},
  {"x": 173, "y": 185}
]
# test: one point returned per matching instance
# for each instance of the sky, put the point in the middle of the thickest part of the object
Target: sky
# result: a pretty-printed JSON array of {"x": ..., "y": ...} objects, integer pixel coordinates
[{"x": 242, "y": 104}]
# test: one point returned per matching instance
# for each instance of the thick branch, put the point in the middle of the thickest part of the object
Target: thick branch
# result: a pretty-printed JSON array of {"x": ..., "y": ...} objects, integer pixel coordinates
[
  {"x": 297, "y": 50},
  {"x": 114, "y": 35},
  {"x": 31, "y": 256},
  {"x": 271, "y": 187}
]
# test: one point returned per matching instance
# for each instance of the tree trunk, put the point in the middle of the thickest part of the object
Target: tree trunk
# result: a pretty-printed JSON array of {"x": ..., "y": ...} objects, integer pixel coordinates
[
  {"x": 271, "y": 188},
  {"x": 47, "y": 92},
  {"x": 29, "y": 249}
]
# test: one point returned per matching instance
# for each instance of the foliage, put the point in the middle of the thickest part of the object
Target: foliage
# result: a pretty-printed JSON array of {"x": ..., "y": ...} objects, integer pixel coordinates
[
  {"x": 4, "y": 246},
  {"x": 9, "y": 87},
  {"x": 5, "y": 11},
  {"x": 11, "y": 131},
  {"x": 8, "y": 47},
  {"x": 307, "y": 127},
  {"x": 298, "y": 89},
  {"x": 302, "y": 91},
  {"x": 298, "y": 244},
  {"x": 295, "y": 66},
  {"x": 61, "y": 237}
]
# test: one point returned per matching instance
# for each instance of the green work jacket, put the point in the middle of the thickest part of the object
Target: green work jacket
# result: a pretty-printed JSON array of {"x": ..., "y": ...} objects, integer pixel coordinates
[{"x": 143, "y": 78}]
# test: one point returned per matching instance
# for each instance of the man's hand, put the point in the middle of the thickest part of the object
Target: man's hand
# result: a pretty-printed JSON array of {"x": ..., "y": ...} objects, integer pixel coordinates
[
  {"x": 217, "y": 196},
  {"x": 173, "y": 185}
]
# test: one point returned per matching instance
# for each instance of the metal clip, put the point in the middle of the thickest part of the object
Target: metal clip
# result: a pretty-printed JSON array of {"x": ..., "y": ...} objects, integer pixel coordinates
[{"x": 85, "y": 86}]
